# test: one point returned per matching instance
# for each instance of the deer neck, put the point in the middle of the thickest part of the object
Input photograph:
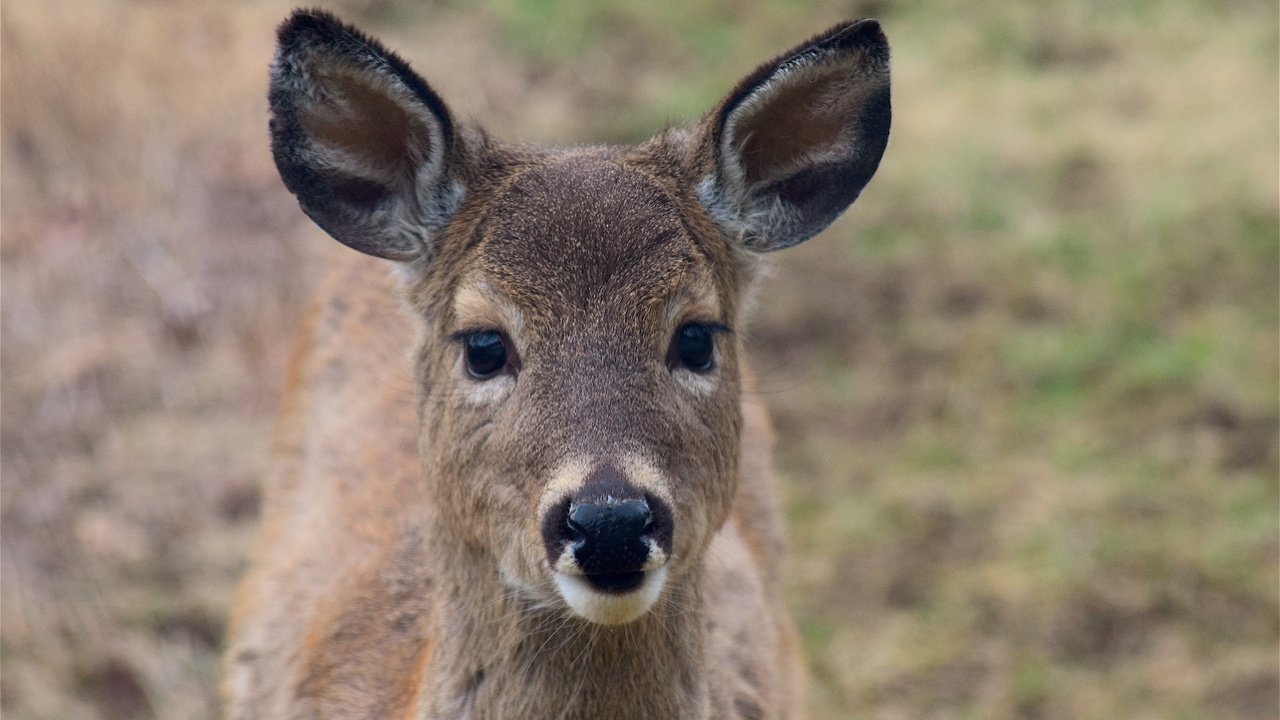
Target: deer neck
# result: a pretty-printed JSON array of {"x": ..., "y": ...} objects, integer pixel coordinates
[{"x": 499, "y": 654}]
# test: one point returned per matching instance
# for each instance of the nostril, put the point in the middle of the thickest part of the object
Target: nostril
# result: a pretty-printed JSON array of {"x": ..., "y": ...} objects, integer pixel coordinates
[
  {"x": 661, "y": 525},
  {"x": 574, "y": 533},
  {"x": 575, "y": 521}
]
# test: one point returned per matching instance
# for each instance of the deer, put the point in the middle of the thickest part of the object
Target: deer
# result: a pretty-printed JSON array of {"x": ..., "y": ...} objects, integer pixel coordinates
[{"x": 521, "y": 469}]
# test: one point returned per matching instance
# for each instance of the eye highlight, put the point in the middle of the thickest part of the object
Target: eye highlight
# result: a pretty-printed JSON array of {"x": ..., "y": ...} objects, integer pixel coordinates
[
  {"x": 694, "y": 347},
  {"x": 485, "y": 353}
]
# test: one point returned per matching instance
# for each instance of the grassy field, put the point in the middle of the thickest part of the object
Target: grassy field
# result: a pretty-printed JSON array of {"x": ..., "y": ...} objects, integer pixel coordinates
[{"x": 1026, "y": 391}]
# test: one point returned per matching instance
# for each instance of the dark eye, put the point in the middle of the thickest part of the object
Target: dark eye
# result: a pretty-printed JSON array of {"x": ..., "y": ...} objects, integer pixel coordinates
[
  {"x": 694, "y": 347},
  {"x": 486, "y": 353}
]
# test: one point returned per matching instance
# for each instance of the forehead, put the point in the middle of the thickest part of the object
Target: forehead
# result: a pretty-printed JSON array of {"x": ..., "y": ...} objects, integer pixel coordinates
[{"x": 585, "y": 232}]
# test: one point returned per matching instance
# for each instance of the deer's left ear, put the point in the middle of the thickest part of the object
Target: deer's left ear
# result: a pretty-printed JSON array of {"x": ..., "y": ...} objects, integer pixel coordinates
[{"x": 798, "y": 139}]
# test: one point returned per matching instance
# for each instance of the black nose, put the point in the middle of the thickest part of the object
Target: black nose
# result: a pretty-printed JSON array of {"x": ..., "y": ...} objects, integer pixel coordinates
[{"x": 609, "y": 540}]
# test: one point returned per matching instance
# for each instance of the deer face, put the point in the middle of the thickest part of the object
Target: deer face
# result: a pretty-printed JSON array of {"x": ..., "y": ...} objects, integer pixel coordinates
[
  {"x": 578, "y": 363},
  {"x": 582, "y": 377}
]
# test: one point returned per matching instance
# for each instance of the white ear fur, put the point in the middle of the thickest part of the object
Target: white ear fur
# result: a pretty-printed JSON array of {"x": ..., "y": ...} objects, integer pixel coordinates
[{"x": 798, "y": 139}]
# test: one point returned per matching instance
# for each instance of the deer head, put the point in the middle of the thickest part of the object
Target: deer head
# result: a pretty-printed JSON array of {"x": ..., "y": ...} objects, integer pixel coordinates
[{"x": 579, "y": 355}]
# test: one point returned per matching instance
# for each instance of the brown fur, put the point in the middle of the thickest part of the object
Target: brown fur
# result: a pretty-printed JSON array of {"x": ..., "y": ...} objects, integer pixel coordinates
[{"x": 400, "y": 572}]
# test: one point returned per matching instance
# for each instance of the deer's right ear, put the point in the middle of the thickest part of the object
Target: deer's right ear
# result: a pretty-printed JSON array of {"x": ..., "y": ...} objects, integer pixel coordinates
[{"x": 360, "y": 139}]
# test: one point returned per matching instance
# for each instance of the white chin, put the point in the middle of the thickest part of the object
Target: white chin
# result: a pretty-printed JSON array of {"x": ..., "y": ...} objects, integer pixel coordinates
[{"x": 610, "y": 608}]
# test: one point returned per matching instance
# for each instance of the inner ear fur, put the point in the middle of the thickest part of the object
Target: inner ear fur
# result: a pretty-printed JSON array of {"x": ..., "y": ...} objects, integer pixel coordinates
[
  {"x": 360, "y": 139},
  {"x": 794, "y": 144},
  {"x": 366, "y": 130}
]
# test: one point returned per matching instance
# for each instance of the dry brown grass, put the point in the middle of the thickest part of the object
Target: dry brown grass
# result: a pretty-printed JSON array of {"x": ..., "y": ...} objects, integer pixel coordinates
[{"x": 1028, "y": 420}]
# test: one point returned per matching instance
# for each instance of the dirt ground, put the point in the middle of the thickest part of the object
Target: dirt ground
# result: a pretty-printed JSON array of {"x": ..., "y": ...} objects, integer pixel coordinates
[{"x": 1026, "y": 391}]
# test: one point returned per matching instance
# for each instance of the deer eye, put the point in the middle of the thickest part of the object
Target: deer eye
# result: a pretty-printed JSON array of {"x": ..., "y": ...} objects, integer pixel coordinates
[
  {"x": 694, "y": 347},
  {"x": 485, "y": 352}
]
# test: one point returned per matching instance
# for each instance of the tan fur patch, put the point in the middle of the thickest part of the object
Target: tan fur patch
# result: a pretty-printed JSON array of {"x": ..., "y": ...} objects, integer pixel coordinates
[
  {"x": 478, "y": 305},
  {"x": 564, "y": 482}
]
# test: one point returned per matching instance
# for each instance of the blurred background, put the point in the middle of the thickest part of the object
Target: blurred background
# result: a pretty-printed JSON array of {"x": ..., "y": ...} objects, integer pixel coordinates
[{"x": 1025, "y": 391}]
